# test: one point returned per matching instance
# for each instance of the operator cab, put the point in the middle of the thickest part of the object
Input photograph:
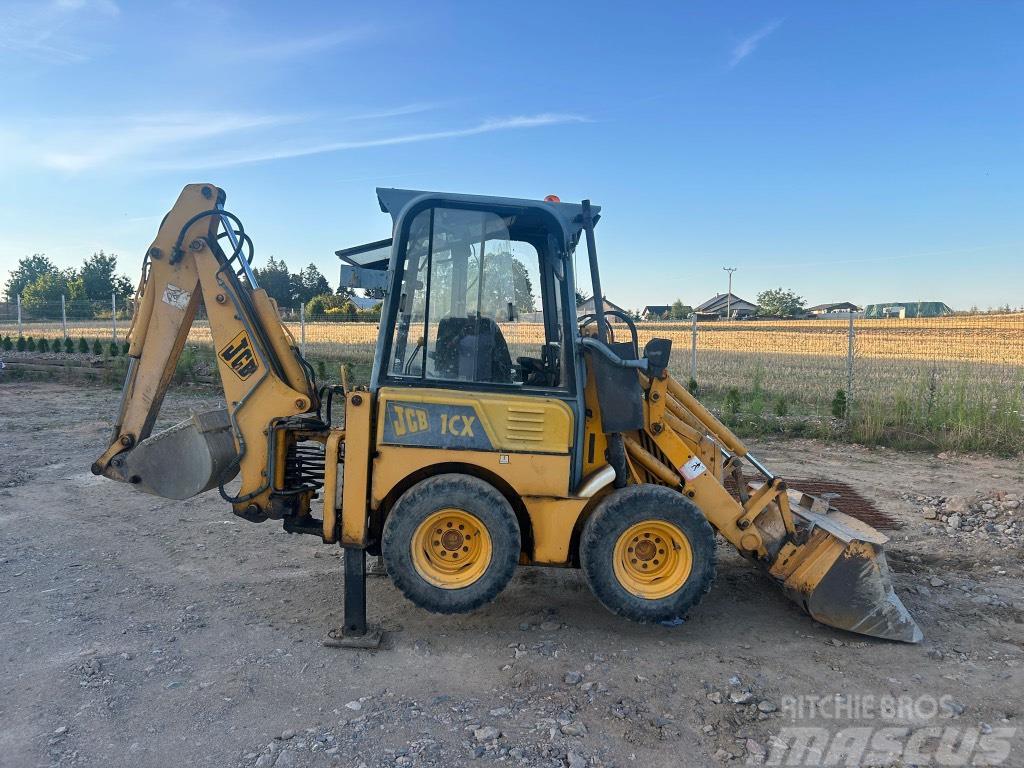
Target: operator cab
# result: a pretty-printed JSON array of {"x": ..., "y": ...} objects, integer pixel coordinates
[{"x": 477, "y": 292}]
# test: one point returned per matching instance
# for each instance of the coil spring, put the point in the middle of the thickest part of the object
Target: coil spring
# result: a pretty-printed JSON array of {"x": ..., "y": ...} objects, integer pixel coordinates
[{"x": 304, "y": 467}]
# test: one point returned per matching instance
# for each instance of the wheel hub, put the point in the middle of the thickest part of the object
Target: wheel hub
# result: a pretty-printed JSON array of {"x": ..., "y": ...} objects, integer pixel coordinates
[
  {"x": 451, "y": 549},
  {"x": 652, "y": 559}
]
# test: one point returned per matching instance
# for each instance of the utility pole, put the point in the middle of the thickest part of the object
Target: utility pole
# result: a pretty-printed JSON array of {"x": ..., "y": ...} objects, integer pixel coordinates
[{"x": 728, "y": 296}]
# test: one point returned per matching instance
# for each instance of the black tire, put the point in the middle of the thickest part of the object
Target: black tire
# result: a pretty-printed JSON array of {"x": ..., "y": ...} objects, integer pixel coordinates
[
  {"x": 635, "y": 505},
  {"x": 430, "y": 496}
]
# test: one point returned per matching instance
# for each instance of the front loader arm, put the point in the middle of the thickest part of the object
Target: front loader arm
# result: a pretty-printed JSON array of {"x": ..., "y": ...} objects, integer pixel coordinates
[{"x": 263, "y": 377}]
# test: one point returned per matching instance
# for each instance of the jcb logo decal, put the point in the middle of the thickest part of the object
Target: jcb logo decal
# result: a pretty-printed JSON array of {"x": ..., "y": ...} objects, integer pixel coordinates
[
  {"x": 407, "y": 419},
  {"x": 239, "y": 355},
  {"x": 434, "y": 424}
]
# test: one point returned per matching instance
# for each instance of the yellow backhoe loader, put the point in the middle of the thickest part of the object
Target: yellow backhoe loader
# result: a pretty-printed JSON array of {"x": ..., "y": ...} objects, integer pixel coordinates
[{"x": 498, "y": 428}]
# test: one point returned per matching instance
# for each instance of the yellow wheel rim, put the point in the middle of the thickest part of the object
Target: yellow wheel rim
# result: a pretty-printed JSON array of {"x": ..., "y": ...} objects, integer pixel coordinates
[
  {"x": 451, "y": 549},
  {"x": 652, "y": 559}
]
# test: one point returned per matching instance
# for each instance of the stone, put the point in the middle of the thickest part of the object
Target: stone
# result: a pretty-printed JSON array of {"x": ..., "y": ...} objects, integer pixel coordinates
[
  {"x": 550, "y": 626},
  {"x": 486, "y": 733},
  {"x": 500, "y": 712},
  {"x": 953, "y": 521},
  {"x": 574, "y": 729},
  {"x": 355, "y": 706},
  {"x": 722, "y": 754},
  {"x": 935, "y": 581},
  {"x": 957, "y": 504},
  {"x": 288, "y": 735},
  {"x": 715, "y": 697},
  {"x": 755, "y": 748},
  {"x": 576, "y": 760},
  {"x": 287, "y": 759},
  {"x": 741, "y": 697},
  {"x": 929, "y": 513},
  {"x": 573, "y": 678},
  {"x": 767, "y": 706}
]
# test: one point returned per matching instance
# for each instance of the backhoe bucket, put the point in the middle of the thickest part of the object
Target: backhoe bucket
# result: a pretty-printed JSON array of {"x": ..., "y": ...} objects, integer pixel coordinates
[
  {"x": 838, "y": 574},
  {"x": 193, "y": 456}
]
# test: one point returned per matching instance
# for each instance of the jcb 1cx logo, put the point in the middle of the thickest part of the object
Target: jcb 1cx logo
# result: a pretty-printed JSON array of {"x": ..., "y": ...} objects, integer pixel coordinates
[
  {"x": 407, "y": 419},
  {"x": 434, "y": 424},
  {"x": 239, "y": 355}
]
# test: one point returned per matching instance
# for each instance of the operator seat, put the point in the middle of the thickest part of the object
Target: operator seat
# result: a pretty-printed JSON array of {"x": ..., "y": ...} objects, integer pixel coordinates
[{"x": 472, "y": 349}]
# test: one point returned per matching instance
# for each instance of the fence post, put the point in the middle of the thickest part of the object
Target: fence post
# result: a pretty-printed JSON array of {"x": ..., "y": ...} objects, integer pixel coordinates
[
  {"x": 63, "y": 317},
  {"x": 693, "y": 348},
  {"x": 302, "y": 328},
  {"x": 113, "y": 318},
  {"x": 850, "y": 336},
  {"x": 19, "y": 316}
]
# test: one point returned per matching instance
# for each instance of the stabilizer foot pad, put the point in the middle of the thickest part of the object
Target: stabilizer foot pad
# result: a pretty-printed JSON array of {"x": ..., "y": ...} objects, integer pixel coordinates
[{"x": 370, "y": 641}]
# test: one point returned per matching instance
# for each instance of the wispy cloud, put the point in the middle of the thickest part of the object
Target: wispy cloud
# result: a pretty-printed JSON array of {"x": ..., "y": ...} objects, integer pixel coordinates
[
  {"x": 257, "y": 155},
  {"x": 749, "y": 44},
  {"x": 48, "y": 32},
  {"x": 179, "y": 141},
  {"x": 295, "y": 47}
]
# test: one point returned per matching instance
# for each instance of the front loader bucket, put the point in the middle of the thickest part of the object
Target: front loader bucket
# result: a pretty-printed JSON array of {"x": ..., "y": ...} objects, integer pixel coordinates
[{"x": 839, "y": 575}]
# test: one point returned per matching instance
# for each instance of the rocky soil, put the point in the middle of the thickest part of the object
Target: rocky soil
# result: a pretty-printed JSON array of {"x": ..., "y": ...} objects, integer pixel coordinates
[{"x": 137, "y": 631}]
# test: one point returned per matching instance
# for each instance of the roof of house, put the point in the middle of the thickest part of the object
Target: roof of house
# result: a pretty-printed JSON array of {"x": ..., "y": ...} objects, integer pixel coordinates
[
  {"x": 657, "y": 309},
  {"x": 721, "y": 300},
  {"x": 911, "y": 309},
  {"x": 587, "y": 307},
  {"x": 364, "y": 302},
  {"x": 834, "y": 306}
]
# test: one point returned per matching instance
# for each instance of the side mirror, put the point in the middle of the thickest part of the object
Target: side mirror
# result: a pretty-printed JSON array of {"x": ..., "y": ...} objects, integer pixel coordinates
[{"x": 361, "y": 277}]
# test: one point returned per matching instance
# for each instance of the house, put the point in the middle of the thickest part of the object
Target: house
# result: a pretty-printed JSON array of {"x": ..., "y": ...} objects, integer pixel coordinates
[
  {"x": 720, "y": 303},
  {"x": 587, "y": 308},
  {"x": 836, "y": 309},
  {"x": 656, "y": 312},
  {"x": 904, "y": 309}
]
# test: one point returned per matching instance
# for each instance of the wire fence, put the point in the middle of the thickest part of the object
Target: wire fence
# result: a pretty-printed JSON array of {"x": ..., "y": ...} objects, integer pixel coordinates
[{"x": 948, "y": 382}]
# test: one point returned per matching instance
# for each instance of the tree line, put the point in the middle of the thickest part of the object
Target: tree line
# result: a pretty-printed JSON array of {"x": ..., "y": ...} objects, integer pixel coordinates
[{"x": 87, "y": 290}]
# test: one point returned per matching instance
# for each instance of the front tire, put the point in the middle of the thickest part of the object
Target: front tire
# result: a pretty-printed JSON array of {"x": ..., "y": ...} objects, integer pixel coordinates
[
  {"x": 451, "y": 543},
  {"x": 648, "y": 553}
]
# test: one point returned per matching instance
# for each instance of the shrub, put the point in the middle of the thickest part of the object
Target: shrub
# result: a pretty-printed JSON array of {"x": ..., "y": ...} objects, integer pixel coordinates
[
  {"x": 7, "y": 344},
  {"x": 114, "y": 349},
  {"x": 44, "y": 345},
  {"x": 692, "y": 386},
  {"x": 124, "y": 347},
  {"x": 97, "y": 348},
  {"x": 781, "y": 406},
  {"x": 69, "y": 345},
  {"x": 30, "y": 345},
  {"x": 839, "y": 404},
  {"x": 21, "y": 344},
  {"x": 731, "y": 406},
  {"x": 83, "y": 345}
]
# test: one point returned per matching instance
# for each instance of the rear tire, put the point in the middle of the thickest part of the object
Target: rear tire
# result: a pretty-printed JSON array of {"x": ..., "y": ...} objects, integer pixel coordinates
[
  {"x": 648, "y": 553},
  {"x": 451, "y": 543}
]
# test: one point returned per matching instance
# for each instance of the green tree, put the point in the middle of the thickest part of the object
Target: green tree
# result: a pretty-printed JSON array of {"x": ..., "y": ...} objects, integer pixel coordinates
[
  {"x": 679, "y": 311},
  {"x": 780, "y": 302},
  {"x": 100, "y": 279},
  {"x": 29, "y": 269},
  {"x": 522, "y": 286},
  {"x": 276, "y": 281},
  {"x": 581, "y": 297},
  {"x": 42, "y": 296},
  {"x": 307, "y": 284}
]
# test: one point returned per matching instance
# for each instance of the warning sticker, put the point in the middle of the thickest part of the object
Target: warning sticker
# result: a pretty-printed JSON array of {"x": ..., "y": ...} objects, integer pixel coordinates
[
  {"x": 176, "y": 297},
  {"x": 692, "y": 469}
]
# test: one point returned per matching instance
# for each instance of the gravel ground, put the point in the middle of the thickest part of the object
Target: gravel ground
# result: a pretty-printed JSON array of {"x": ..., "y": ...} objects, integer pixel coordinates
[{"x": 137, "y": 631}]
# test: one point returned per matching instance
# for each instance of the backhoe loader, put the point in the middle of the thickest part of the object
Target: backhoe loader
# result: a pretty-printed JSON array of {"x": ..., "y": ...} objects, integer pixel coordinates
[{"x": 498, "y": 428}]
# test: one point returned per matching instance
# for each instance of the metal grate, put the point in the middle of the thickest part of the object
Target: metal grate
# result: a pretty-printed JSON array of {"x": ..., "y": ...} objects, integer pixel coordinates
[{"x": 843, "y": 497}]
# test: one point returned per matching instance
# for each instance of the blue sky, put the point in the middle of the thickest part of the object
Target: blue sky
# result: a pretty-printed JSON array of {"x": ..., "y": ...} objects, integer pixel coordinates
[{"x": 861, "y": 151}]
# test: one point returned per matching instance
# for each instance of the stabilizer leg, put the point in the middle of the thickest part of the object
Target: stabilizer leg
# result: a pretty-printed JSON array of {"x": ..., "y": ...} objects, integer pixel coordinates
[{"x": 355, "y": 633}]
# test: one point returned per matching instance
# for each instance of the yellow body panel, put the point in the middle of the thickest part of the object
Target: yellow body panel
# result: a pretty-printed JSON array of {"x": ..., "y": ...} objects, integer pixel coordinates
[
  {"x": 528, "y": 474},
  {"x": 553, "y": 521},
  {"x": 453, "y": 419},
  {"x": 358, "y": 442}
]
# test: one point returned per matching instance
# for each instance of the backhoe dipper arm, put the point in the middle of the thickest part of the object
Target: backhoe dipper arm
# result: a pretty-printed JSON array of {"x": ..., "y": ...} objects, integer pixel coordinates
[{"x": 263, "y": 377}]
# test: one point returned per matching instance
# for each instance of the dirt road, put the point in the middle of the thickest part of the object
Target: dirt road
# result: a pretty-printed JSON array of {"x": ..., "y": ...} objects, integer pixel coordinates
[{"x": 136, "y": 631}]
